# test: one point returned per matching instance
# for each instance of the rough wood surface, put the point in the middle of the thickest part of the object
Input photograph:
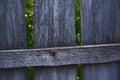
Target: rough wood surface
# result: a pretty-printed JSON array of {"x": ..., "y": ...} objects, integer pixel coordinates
[
  {"x": 100, "y": 21},
  {"x": 13, "y": 74},
  {"x": 60, "y": 56},
  {"x": 54, "y": 23},
  {"x": 12, "y": 25},
  {"x": 100, "y": 24},
  {"x": 12, "y": 34},
  {"x": 54, "y": 26},
  {"x": 56, "y": 73},
  {"x": 104, "y": 71}
]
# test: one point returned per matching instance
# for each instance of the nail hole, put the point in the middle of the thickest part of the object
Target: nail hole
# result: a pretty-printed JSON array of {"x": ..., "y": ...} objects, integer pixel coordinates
[
  {"x": 37, "y": 55},
  {"x": 52, "y": 52}
]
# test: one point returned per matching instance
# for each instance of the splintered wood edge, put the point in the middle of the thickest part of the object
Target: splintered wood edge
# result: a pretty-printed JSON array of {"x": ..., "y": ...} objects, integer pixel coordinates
[{"x": 89, "y": 54}]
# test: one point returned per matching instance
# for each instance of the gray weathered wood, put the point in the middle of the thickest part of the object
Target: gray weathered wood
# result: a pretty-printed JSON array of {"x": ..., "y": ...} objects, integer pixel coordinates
[
  {"x": 54, "y": 23},
  {"x": 12, "y": 34},
  {"x": 54, "y": 26},
  {"x": 56, "y": 73},
  {"x": 104, "y": 71},
  {"x": 13, "y": 74},
  {"x": 100, "y": 24},
  {"x": 60, "y": 56},
  {"x": 12, "y": 25}
]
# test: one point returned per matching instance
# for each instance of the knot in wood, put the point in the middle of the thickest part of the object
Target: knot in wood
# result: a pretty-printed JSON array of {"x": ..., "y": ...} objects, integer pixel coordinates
[{"x": 52, "y": 52}]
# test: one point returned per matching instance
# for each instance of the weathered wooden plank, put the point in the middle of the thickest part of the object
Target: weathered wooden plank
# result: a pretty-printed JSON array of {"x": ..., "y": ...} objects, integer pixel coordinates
[
  {"x": 100, "y": 21},
  {"x": 54, "y": 23},
  {"x": 104, "y": 71},
  {"x": 12, "y": 25},
  {"x": 60, "y": 56},
  {"x": 12, "y": 34},
  {"x": 100, "y": 24},
  {"x": 56, "y": 73},
  {"x": 54, "y": 27},
  {"x": 13, "y": 74}
]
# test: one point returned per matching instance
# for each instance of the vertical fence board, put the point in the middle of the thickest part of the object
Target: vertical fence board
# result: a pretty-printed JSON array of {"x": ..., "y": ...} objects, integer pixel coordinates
[
  {"x": 56, "y": 73},
  {"x": 100, "y": 24},
  {"x": 12, "y": 34},
  {"x": 13, "y": 74},
  {"x": 54, "y": 23},
  {"x": 54, "y": 26}
]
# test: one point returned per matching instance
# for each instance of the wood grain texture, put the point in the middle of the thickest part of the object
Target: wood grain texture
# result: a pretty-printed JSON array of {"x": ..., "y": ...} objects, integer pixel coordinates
[
  {"x": 13, "y": 74},
  {"x": 100, "y": 21},
  {"x": 54, "y": 23},
  {"x": 12, "y": 25},
  {"x": 12, "y": 34},
  {"x": 56, "y": 73},
  {"x": 54, "y": 26},
  {"x": 100, "y": 24},
  {"x": 60, "y": 56},
  {"x": 104, "y": 71}
]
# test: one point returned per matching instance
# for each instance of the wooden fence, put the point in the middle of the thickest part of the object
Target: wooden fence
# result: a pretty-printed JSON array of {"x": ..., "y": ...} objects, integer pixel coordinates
[{"x": 56, "y": 56}]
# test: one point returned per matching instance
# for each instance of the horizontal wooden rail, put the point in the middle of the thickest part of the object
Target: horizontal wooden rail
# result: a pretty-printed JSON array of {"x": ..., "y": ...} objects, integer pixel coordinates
[{"x": 60, "y": 56}]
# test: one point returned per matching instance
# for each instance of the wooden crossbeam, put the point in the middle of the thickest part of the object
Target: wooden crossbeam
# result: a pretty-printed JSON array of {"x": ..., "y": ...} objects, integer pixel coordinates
[{"x": 58, "y": 56}]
